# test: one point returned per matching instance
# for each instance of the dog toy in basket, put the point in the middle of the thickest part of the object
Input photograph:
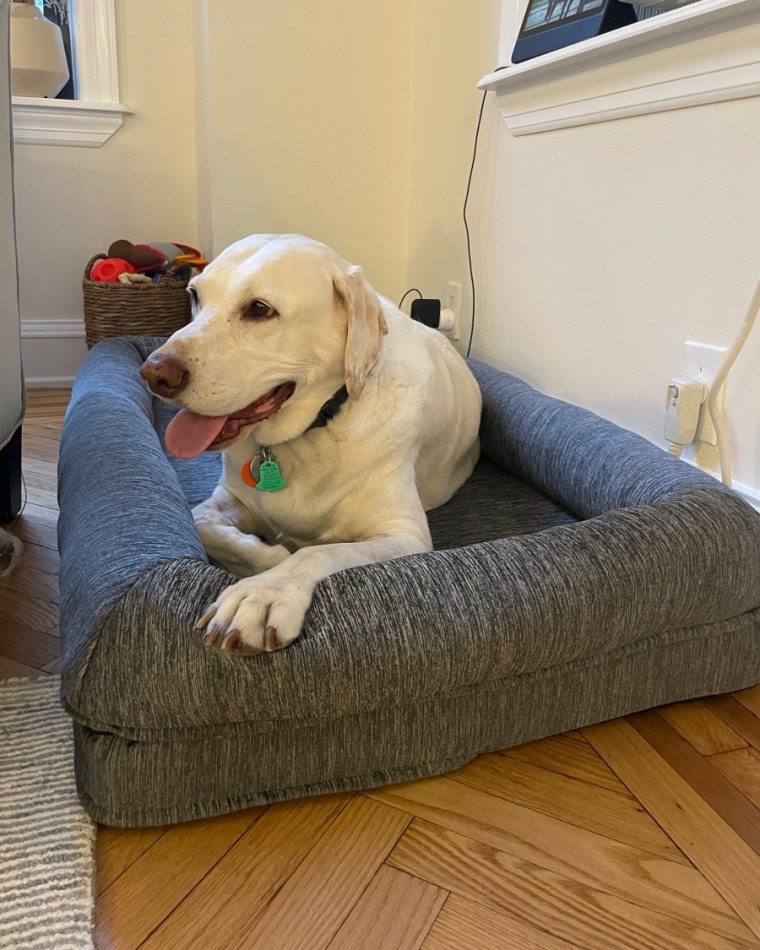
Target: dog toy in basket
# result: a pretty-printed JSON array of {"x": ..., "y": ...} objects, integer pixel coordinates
[
  {"x": 110, "y": 270},
  {"x": 157, "y": 256},
  {"x": 138, "y": 289}
]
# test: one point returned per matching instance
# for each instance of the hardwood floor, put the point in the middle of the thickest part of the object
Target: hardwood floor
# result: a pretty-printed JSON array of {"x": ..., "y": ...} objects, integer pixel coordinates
[{"x": 642, "y": 833}]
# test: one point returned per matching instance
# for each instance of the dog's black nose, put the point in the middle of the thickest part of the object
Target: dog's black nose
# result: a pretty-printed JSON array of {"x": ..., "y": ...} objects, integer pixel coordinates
[{"x": 165, "y": 374}]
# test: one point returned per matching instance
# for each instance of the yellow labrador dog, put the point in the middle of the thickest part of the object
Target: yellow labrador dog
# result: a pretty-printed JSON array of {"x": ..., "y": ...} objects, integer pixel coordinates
[{"x": 340, "y": 420}]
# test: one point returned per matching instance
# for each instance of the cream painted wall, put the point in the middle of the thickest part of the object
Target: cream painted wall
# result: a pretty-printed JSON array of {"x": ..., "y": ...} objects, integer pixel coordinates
[
  {"x": 308, "y": 126},
  {"x": 249, "y": 117},
  {"x": 604, "y": 248},
  {"x": 355, "y": 123},
  {"x": 72, "y": 202},
  {"x": 455, "y": 44}
]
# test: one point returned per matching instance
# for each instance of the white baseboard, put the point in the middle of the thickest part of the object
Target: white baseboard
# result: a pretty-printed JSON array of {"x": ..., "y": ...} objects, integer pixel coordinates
[
  {"x": 49, "y": 382},
  {"x": 52, "y": 329},
  {"x": 750, "y": 495},
  {"x": 52, "y": 351}
]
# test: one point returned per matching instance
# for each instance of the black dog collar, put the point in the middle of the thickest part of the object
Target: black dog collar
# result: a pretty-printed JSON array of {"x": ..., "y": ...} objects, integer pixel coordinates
[{"x": 330, "y": 409}]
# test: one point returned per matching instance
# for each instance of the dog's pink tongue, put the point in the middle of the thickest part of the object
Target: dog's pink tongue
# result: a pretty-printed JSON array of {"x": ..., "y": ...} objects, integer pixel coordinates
[{"x": 188, "y": 434}]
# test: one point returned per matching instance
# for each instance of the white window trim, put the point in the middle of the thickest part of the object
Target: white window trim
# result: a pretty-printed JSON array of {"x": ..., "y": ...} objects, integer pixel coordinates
[
  {"x": 92, "y": 118},
  {"x": 736, "y": 80}
]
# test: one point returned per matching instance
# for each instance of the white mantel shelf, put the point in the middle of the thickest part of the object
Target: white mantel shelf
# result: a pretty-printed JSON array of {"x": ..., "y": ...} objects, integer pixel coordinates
[
  {"x": 65, "y": 121},
  {"x": 693, "y": 22}
]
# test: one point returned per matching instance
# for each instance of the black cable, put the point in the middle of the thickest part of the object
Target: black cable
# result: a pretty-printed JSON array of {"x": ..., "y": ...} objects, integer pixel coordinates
[
  {"x": 464, "y": 215},
  {"x": 412, "y": 290},
  {"x": 14, "y": 522}
]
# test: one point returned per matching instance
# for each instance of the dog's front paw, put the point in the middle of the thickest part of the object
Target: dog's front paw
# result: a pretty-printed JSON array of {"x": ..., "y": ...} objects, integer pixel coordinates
[
  {"x": 256, "y": 615},
  {"x": 10, "y": 553}
]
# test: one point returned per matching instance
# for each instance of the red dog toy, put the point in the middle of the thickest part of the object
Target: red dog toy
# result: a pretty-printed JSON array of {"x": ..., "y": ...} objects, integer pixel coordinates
[{"x": 109, "y": 270}]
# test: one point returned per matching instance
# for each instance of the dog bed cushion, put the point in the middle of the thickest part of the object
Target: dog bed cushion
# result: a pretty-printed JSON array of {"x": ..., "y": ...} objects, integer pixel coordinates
[{"x": 579, "y": 575}]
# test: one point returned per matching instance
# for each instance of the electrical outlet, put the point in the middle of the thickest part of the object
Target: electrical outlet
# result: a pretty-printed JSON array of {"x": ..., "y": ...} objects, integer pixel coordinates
[
  {"x": 453, "y": 302},
  {"x": 701, "y": 362}
]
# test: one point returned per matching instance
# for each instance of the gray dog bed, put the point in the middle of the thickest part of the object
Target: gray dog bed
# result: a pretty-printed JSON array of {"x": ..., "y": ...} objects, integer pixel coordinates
[{"x": 579, "y": 575}]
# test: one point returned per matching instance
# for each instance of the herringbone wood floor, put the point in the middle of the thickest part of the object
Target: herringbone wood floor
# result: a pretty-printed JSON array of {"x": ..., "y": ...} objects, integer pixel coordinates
[{"x": 639, "y": 833}]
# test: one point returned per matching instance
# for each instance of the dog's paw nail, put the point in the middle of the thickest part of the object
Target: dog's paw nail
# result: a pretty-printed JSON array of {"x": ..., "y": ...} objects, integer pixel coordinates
[
  {"x": 211, "y": 636},
  {"x": 209, "y": 615},
  {"x": 270, "y": 639},
  {"x": 231, "y": 640}
]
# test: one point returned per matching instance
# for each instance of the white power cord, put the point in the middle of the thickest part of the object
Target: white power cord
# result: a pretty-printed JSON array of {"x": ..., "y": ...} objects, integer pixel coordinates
[{"x": 716, "y": 413}]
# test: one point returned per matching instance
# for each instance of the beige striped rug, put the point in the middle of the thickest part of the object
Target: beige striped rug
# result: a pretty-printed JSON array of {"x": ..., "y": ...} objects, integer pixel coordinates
[{"x": 46, "y": 839}]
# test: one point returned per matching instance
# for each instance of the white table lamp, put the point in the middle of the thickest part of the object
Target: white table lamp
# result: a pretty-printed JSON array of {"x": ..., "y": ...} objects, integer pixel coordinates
[{"x": 38, "y": 59}]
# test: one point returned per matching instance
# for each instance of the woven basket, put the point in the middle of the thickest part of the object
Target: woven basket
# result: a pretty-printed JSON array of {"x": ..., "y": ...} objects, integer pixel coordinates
[{"x": 140, "y": 310}]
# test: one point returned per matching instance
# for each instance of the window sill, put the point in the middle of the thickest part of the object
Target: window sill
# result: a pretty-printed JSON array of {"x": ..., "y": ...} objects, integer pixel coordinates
[
  {"x": 65, "y": 122},
  {"x": 529, "y": 103}
]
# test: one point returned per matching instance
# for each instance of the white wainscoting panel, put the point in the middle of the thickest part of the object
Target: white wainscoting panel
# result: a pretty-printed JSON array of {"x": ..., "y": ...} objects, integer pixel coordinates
[{"x": 52, "y": 351}]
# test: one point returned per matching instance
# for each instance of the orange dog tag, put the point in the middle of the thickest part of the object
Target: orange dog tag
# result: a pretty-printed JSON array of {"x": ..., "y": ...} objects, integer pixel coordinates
[{"x": 247, "y": 475}]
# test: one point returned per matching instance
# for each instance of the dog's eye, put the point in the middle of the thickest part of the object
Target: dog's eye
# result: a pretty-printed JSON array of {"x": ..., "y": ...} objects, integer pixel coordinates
[
  {"x": 193, "y": 295},
  {"x": 259, "y": 309}
]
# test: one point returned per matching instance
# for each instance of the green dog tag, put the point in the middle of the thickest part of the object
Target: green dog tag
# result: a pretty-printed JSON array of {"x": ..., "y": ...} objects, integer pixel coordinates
[{"x": 270, "y": 477}]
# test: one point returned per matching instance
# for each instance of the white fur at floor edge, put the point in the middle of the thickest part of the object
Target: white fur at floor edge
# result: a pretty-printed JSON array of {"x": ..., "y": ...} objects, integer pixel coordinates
[{"x": 10, "y": 553}]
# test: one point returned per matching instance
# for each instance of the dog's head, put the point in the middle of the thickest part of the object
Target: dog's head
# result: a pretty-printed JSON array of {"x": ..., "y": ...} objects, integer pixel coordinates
[{"x": 279, "y": 322}]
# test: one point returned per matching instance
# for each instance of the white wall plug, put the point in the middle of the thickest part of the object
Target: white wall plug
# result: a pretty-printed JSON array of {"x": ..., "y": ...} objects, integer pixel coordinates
[
  {"x": 682, "y": 412},
  {"x": 446, "y": 321}
]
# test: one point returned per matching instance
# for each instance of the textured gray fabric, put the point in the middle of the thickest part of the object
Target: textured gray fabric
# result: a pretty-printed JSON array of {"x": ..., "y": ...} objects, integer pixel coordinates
[
  {"x": 122, "y": 507},
  {"x": 493, "y": 504},
  {"x": 184, "y": 777},
  {"x": 588, "y": 464},
  {"x": 522, "y": 623},
  {"x": 510, "y": 606}
]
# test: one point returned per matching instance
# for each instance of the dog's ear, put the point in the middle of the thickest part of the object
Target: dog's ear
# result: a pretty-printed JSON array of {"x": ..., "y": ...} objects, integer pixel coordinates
[{"x": 366, "y": 327}]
